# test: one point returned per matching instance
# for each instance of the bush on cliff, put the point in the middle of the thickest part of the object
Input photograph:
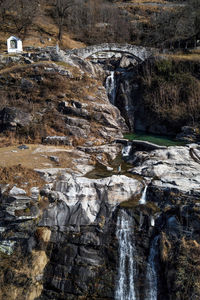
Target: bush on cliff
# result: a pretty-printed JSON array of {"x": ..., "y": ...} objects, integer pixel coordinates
[{"x": 171, "y": 91}]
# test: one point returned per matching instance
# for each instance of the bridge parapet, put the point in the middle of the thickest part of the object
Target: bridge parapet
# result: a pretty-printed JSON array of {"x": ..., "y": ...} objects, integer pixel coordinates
[{"x": 140, "y": 53}]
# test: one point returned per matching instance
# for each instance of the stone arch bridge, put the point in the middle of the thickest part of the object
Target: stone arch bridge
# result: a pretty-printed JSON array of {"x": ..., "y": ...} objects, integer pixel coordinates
[{"x": 102, "y": 50}]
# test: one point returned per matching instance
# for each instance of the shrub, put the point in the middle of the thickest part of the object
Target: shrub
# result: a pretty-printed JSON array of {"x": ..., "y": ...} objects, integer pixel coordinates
[{"x": 171, "y": 91}]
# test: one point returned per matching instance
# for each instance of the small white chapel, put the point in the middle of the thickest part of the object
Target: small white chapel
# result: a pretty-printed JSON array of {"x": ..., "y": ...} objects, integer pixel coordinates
[{"x": 14, "y": 45}]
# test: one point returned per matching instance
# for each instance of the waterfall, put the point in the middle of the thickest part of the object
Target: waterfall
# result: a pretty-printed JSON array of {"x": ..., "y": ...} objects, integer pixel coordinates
[
  {"x": 125, "y": 289},
  {"x": 144, "y": 194},
  {"x": 151, "y": 276},
  {"x": 126, "y": 150},
  {"x": 152, "y": 221},
  {"x": 111, "y": 87}
]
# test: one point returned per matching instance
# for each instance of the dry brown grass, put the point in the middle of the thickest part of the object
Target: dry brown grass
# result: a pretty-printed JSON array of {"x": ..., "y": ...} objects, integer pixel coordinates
[
  {"x": 43, "y": 234},
  {"x": 195, "y": 56},
  {"x": 171, "y": 92},
  {"x": 22, "y": 268},
  {"x": 145, "y": 1},
  {"x": 142, "y": 11},
  {"x": 37, "y": 156},
  {"x": 33, "y": 101},
  {"x": 17, "y": 168},
  {"x": 18, "y": 175},
  {"x": 196, "y": 51},
  {"x": 165, "y": 247},
  {"x": 42, "y": 33},
  {"x": 188, "y": 269}
]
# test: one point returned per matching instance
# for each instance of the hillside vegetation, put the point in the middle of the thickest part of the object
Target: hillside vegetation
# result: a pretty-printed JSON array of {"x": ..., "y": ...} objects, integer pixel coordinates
[
  {"x": 171, "y": 91},
  {"x": 76, "y": 23}
]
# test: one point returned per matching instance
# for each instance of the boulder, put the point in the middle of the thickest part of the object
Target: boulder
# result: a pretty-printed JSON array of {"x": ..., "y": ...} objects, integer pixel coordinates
[
  {"x": 10, "y": 118},
  {"x": 146, "y": 146},
  {"x": 17, "y": 191},
  {"x": 78, "y": 112},
  {"x": 23, "y": 147},
  {"x": 126, "y": 62},
  {"x": 58, "y": 140},
  {"x": 26, "y": 85},
  {"x": 77, "y": 131},
  {"x": 54, "y": 158},
  {"x": 112, "y": 150},
  {"x": 188, "y": 134},
  {"x": 73, "y": 121}
]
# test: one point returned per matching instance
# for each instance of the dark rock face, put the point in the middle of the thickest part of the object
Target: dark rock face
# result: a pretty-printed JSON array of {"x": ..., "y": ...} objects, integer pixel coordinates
[
  {"x": 81, "y": 264},
  {"x": 173, "y": 202},
  {"x": 179, "y": 244},
  {"x": 68, "y": 233},
  {"x": 10, "y": 118},
  {"x": 129, "y": 100},
  {"x": 69, "y": 248},
  {"x": 141, "y": 96},
  {"x": 127, "y": 97},
  {"x": 188, "y": 134}
]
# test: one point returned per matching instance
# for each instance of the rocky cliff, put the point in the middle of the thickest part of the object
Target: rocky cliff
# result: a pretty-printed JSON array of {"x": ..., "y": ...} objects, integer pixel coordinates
[
  {"x": 76, "y": 220},
  {"x": 49, "y": 94},
  {"x": 60, "y": 241},
  {"x": 158, "y": 96}
]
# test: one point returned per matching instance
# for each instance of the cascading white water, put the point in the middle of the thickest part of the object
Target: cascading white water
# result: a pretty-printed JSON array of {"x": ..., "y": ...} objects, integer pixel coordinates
[
  {"x": 111, "y": 87},
  {"x": 152, "y": 221},
  {"x": 151, "y": 276},
  {"x": 126, "y": 150},
  {"x": 143, "y": 199},
  {"x": 125, "y": 289}
]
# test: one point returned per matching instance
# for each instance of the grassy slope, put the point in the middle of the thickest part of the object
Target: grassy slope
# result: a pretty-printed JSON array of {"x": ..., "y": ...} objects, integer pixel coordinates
[
  {"x": 141, "y": 11},
  {"x": 34, "y": 100},
  {"x": 42, "y": 33}
]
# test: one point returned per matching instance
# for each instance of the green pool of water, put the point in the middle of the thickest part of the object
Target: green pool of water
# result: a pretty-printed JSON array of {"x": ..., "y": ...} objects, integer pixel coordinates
[
  {"x": 100, "y": 171},
  {"x": 156, "y": 139}
]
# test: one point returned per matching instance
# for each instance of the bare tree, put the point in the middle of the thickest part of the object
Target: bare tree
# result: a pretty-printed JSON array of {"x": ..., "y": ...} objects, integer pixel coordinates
[
  {"x": 98, "y": 21},
  {"x": 61, "y": 10},
  {"x": 18, "y": 15},
  {"x": 25, "y": 15},
  {"x": 5, "y": 6}
]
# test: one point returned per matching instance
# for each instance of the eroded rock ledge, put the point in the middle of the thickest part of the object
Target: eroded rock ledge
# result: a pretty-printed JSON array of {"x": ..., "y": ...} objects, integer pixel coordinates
[
  {"x": 173, "y": 167},
  {"x": 81, "y": 201}
]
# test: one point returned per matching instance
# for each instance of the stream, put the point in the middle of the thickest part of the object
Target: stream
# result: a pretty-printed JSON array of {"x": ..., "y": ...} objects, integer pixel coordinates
[{"x": 125, "y": 289}]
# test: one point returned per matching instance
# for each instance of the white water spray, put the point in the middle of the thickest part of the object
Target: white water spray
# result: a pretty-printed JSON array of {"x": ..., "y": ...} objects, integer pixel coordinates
[
  {"x": 151, "y": 276},
  {"x": 111, "y": 87},
  {"x": 152, "y": 221},
  {"x": 126, "y": 150},
  {"x": 125, "y": 289},
  {"x": 143, "y": 199}
]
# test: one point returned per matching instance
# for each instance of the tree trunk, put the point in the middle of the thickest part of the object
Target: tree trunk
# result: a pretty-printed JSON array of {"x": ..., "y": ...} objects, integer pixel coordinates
[{"x": 60, "y": 30}]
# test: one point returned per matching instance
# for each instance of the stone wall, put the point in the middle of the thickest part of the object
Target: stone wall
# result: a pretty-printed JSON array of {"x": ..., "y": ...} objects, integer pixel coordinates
[{"x": 140, "y": 53}]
